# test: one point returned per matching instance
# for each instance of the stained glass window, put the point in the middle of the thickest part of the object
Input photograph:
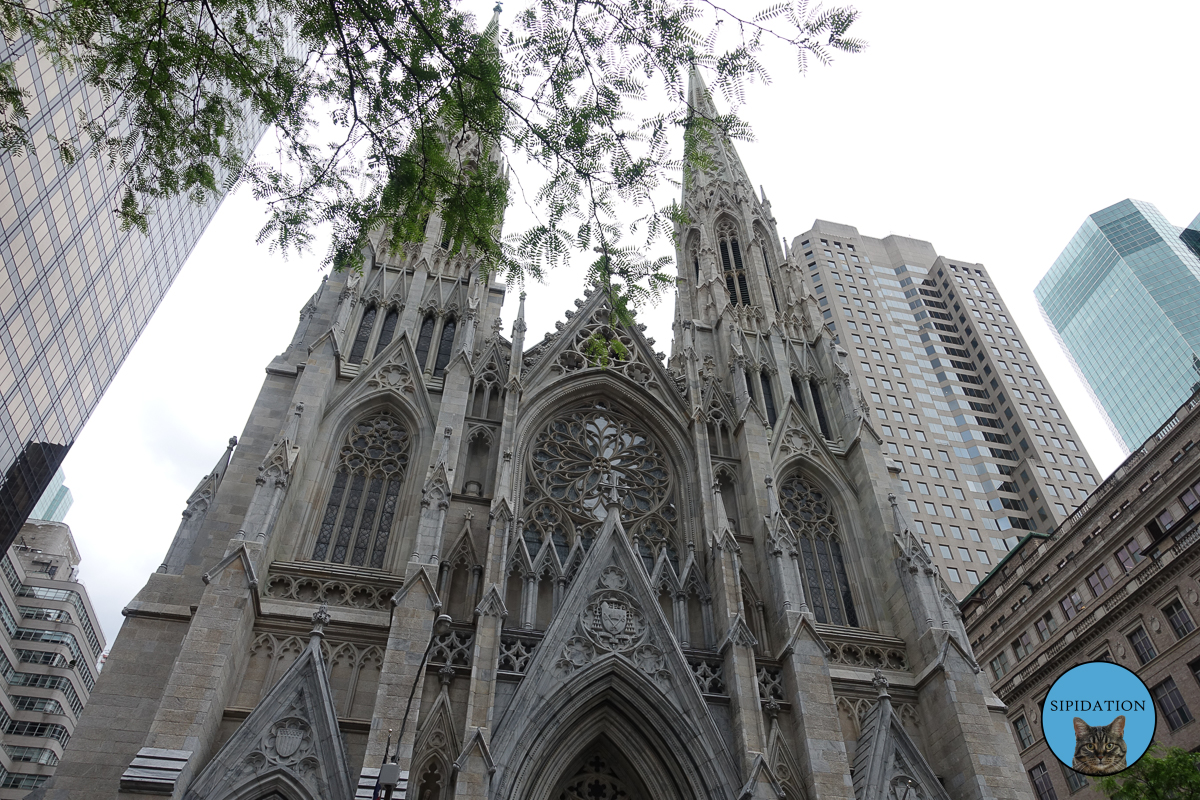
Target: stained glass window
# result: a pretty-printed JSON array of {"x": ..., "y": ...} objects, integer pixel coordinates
[
  {"x": 359, "y": 348},
  {"x": 573, "y": 463},
  {"x": 424, "y": 339},
  {"x": 388, "y": 330},
  {"x": 445, "y": 347},
  {"x": 810, "y": 514},
  {"x": 362, "y": 502}
]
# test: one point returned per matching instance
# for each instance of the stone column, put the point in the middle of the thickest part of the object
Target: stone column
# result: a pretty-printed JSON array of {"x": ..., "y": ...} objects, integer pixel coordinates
[
  {"x": 210, "y": 662},
  {"x": 474, "y": 764},
  {"x": 400, "y": 678},
  {"x": 737, "y": 650},
  {"x": 816, "y": 729}
]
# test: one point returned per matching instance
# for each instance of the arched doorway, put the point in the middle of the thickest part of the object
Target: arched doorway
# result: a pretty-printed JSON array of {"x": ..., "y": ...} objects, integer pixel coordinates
[{"x": 600, "y": 773}]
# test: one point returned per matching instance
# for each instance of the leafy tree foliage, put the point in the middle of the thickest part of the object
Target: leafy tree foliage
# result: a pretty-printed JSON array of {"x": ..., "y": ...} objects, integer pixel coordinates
[
  {"x": 1161, "y": 774},
  {"x": 387, "y": 111}
]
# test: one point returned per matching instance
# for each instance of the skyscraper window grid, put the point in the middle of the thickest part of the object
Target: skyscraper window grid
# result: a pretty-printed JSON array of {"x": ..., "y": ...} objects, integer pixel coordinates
[
  {"x": 957, "y": 397},
  {"x": 75, "y": 290},
  {"x": 1128, "y": 266}
]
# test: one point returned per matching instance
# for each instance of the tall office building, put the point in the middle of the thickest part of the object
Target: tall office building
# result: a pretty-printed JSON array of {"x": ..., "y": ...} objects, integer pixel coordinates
[
  {"x": 55, "y": 502},
  {"x": 1124, "y": 301},
  {"x": 75, "y": 291},
  {"x": 49, "y": 646},
  {"x": 961, "y": 404}
]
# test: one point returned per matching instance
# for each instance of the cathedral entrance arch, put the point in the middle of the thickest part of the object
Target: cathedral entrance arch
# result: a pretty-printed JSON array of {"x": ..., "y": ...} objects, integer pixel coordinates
[
  {"x": 600, "y": 773},
  {"x": 644, "y": 745}
]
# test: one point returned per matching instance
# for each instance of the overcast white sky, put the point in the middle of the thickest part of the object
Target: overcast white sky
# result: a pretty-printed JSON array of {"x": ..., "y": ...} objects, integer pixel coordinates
[{"x": 990, "y": 130}]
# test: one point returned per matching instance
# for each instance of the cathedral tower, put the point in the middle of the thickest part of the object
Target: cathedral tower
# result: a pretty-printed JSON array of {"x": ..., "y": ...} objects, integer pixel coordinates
[{"x": 526, "y": 576}]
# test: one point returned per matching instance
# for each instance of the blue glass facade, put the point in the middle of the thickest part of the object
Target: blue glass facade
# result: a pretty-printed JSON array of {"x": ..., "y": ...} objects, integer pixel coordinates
[
  {"x": 55, "y": 502},
  {"x": 1124, "y": 302}
]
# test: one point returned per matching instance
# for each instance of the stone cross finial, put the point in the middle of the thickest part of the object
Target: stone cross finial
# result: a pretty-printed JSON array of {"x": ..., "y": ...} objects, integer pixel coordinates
[
  {"x": 320, "y": 619},
  {"x": 881, "y": 684},
  {"x": 612, "y": 501}
]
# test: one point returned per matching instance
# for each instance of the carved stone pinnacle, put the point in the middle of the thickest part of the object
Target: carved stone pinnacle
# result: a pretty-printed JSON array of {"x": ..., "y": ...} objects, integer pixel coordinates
[
  {"x": 320, "y": 619},
  {"x": 880, "y": 683}
]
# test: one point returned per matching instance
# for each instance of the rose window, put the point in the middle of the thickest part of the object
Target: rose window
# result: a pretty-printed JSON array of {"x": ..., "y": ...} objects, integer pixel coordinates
[
  {"x": 823, "y": 570},
  {"x": 574, "y": 462}
]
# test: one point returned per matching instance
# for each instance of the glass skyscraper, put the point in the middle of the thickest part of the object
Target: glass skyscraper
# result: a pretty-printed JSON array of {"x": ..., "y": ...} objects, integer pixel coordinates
[
  {"x": 1124, "y": 301},
  {"x": 56, "y": 500},
  {"x": 75, "y": 290}
]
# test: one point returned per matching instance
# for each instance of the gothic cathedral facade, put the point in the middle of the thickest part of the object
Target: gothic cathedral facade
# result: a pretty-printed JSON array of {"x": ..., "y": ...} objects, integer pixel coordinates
[{"x": 532, "y": 577}]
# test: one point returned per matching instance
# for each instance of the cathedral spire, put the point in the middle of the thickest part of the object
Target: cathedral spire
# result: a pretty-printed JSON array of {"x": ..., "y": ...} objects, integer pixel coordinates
[
  {"x": 727, "y": 166},
  {"x": 730, "y": 251}
]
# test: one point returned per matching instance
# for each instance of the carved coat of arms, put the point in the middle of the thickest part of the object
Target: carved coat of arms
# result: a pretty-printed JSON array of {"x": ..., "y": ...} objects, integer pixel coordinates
[
  {"x": 613, "y": 621},
  {"x": 613, "y": 616},
  {"x": 288, "y": 738}
]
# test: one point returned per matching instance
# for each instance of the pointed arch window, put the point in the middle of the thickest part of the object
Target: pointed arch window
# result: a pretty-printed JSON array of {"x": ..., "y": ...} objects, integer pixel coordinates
[
  {"x": 719, "y": 442},
  {"x": 731, "y": 263},
  {"x": 768, "y": 396},
  {"x": 387, "y": 330},
  {"x": 424, "y": 339},
  {"x": 359, "y": 348},
  {"x": 432, "y": 783},
  {"x": 809, "y": 512},
  {"x": 487, "y": 399},
  {"x": 445, "y": 346},
  {"x": 362, "y": 505},
  {"x": 796, "y": 391},
  {"x": 770, "y": 277},
  {"x": 819, "y": 407}
]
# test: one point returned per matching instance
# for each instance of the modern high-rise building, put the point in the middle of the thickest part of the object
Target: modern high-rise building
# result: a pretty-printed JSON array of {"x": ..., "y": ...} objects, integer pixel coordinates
[
  {"x": 55, "y": 502},
  {"x": 958, "y": 398},
  {"x": 75, "y": 290},
  {"x": 517, "y": 573},
  {"x": 49, "y": 646},
  {"x": 1124, "y": 301}
]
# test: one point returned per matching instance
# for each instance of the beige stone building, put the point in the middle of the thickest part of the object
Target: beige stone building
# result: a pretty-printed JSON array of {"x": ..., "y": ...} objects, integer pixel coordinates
[
  {"x": 49, "y": 646},
  {"x": 1116, "y": 582},
  {"x": 526, "y": 575},
  {"x": 957, "y": 396}
]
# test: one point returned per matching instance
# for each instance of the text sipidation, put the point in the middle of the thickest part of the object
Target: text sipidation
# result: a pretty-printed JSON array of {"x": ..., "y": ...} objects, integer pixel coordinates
[{"x": 1097, "y": 705}]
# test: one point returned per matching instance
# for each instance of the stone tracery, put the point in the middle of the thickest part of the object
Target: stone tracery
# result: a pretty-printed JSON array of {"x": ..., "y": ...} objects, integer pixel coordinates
[
  {"x": 575, "y": 460},
  {"x": 596, "y": 777},
  {"x": 823, "y": 569},
  {"x": 365, "y": 493}
]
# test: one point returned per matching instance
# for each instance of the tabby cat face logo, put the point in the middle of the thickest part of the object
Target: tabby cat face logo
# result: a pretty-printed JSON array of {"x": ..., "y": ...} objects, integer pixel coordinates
[{"x": 1098, "y": 718}]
